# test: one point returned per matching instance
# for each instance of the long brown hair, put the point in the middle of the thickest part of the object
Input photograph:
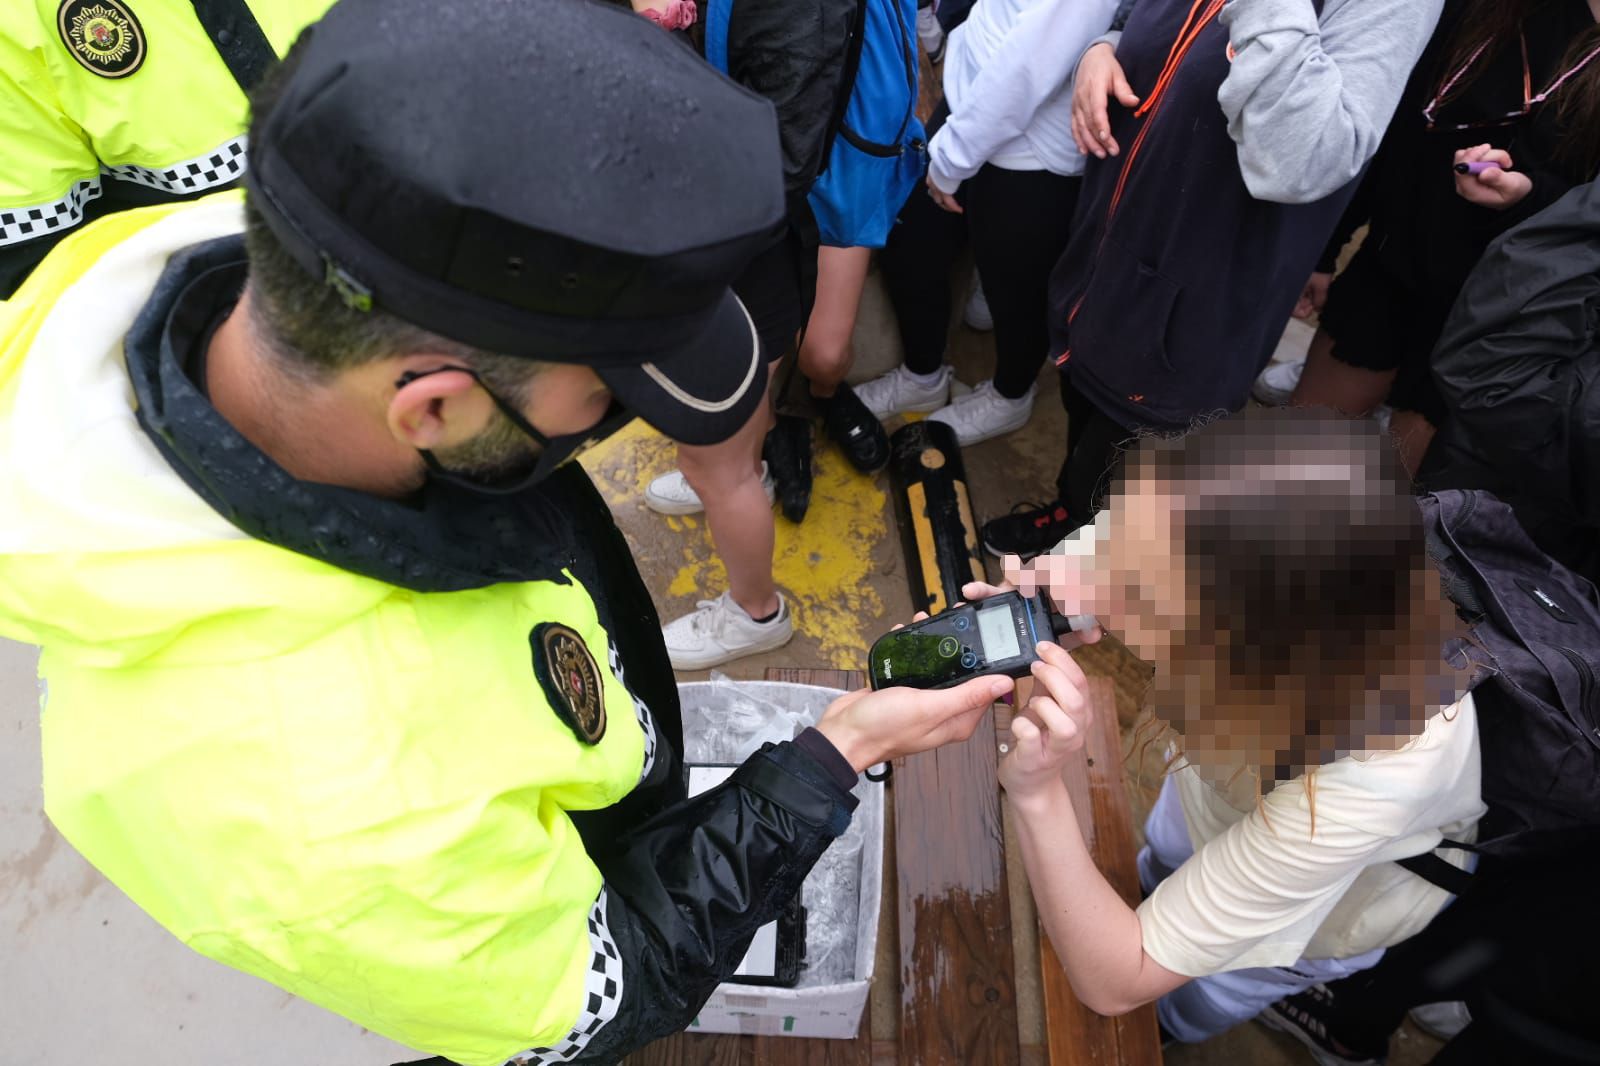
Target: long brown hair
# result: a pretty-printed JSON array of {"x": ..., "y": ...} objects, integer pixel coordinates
[
  {"x": 1311, "y": 594},
  {"x": 1498, "y": 23}
]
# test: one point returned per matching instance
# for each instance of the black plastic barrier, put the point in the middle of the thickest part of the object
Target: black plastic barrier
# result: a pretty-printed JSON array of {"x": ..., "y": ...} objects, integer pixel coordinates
[{"x": 937, "y": 527}]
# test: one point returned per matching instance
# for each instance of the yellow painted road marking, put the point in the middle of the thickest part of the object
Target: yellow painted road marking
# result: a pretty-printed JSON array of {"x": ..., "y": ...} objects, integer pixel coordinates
[{"x": 824, "y": 565}]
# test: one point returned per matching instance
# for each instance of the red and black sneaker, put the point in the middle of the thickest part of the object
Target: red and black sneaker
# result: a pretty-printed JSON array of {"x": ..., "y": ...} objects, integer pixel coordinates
[
  {"x": 1028, "y": 530},
  {"x": 1312, "y": 1018}
]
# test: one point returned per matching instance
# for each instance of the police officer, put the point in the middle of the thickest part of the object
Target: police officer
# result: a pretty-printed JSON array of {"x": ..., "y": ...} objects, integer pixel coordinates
[
  {"x": 352, "y": 682},
  {"x": 108, "y": 104}
]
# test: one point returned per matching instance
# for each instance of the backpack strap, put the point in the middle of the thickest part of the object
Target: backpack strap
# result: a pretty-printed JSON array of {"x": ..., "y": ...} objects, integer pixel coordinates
[
  {"x": 1452, "y": 573},
  {"x": 719, "y": 13},
  {"x": 847, "y": 82},
  {"x": 1432, "y": 867},
  {"x": 908, "y": 54}
]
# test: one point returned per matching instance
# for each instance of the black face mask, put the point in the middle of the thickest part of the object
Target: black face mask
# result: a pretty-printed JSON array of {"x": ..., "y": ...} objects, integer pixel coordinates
[{"x": 553, "y": 451}]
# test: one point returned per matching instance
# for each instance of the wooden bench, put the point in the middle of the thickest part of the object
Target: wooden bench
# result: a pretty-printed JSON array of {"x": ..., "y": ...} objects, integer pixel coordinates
[
  {"x": 1076, "y": 1035},
  {"x": 957, "y": 1001}
]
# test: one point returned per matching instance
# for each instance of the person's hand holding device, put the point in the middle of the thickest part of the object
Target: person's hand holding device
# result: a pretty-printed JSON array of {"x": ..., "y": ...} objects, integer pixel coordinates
[
  {"x": 1055, "y": 720},
  {"x": 869, "y": 727},
  {"x": 1099, "y": 78},
  {"x": 1054, "y": 724},
  {"x": 1484, "y": 177}
]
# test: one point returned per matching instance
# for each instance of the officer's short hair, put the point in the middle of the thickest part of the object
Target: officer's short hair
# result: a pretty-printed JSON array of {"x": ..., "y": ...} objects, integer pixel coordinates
[{"x": 308, "y": 327}]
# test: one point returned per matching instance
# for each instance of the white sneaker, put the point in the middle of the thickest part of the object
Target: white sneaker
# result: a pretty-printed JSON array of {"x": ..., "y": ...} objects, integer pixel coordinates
[
  {"x": 1276, "y": 383},
  {"x": 930, "y": 34},
  {"x": 977, "y": 315},
  {"x": 671, "y": 494},
  {"x": 896, "y": 392},
  {"x": 1442, "y": 1020},
  {"x": 984, "y": 413},
  {"x": 719, "y": 631}
]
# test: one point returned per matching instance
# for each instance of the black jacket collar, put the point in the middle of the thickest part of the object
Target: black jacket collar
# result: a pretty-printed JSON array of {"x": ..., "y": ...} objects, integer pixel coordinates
[{"x": 445, "y": 539}]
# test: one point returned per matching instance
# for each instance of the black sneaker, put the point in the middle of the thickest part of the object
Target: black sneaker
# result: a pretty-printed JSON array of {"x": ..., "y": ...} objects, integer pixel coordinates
[
  {"x": 855, "y": 429},
  {"x": 1311, "y": 1018},
  {"x": 788, "y": 454},
  {"x": 1028, "y": 530}
]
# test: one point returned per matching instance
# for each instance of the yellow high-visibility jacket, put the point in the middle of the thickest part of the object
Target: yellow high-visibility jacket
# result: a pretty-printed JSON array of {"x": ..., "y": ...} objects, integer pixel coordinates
[
  {"x": 355, "y": 790},
  {"x": 135, "y": 101}
]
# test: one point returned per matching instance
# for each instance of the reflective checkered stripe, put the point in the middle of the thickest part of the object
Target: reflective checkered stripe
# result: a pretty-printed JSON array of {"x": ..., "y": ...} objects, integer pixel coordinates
[
  {"x": 647, "y": 723},
  {"x": 19, "y": 224},
  {"x": 604, "y": 995},
  {"x": 217, "y": 167}
]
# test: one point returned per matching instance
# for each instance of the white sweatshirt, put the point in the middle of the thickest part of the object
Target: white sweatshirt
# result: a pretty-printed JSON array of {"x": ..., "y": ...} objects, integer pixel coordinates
[{"x": 1008, "y": 80}]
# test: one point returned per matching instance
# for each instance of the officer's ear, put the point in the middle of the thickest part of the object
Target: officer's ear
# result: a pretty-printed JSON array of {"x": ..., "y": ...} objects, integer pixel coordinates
[{"x": 436, "y": 404}]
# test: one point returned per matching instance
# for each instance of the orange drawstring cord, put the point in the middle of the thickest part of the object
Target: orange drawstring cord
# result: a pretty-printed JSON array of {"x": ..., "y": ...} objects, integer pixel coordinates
[{"x": 1188, "y": 33}]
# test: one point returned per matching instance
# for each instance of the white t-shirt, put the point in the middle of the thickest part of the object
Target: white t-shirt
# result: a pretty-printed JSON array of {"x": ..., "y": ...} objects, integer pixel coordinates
[{"x": 1263, "y": 890}]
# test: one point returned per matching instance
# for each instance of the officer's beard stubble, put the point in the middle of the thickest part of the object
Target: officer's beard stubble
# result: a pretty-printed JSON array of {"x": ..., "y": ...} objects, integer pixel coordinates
[{"x": 501, "y": 453}]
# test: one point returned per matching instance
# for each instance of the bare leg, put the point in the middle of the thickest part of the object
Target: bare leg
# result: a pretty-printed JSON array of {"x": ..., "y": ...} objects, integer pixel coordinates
[
  {"x": 825, "y": 356},
  {"x": 1412, "y": 433},
  {"x": 1347, "y": 389},
  {"x": 727, "y": 478}
]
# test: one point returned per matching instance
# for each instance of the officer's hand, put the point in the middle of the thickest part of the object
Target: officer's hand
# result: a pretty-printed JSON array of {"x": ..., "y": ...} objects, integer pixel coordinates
[{"x": 871, "y": 727}]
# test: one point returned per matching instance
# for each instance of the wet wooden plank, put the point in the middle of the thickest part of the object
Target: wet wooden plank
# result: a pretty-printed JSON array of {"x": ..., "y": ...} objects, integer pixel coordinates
[
  {"x": 958, "y": 998},
  {"x": 1077, "y": 1036}
]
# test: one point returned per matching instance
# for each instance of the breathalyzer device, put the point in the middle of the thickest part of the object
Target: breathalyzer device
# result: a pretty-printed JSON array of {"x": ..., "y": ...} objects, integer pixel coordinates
[{"x": 993, "y": 636}]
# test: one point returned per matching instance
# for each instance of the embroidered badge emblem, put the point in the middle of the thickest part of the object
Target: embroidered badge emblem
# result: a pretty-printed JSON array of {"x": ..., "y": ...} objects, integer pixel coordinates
[
  {"x": 102, "y": 35},
  {"x": 571, "y": 680}
]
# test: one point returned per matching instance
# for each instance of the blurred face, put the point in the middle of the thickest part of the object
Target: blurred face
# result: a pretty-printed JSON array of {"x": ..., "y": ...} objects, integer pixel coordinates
[
  {"x": 1142, "y": 584},
  {"x": 1153, "y": 603}
]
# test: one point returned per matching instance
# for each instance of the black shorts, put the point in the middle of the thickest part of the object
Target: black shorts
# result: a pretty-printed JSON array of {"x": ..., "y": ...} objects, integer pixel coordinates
[
  {"x": 774, "y": 290},
  {"x": 1381, "y": 322}
]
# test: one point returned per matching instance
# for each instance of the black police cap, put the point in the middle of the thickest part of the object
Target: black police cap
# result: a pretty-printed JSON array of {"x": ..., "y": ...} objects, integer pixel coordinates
[{"x": 554, "y": 179}]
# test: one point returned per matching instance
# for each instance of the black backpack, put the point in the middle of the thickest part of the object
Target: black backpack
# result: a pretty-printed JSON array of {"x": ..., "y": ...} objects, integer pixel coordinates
[{"x": 1535, "y": 636}]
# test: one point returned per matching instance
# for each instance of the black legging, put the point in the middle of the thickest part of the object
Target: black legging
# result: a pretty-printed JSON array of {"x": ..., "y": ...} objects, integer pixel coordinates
[
  {"x": 1095, "y": 447},
  {"x": 1019, "y": 222}
]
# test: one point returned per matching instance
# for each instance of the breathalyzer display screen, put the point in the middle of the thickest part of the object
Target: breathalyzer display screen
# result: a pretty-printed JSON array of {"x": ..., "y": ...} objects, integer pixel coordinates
[{"x": 999, "y": 634}]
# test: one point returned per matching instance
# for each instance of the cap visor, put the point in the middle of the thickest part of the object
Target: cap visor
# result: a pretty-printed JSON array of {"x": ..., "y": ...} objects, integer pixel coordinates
[{"x": 703, "y": 391}]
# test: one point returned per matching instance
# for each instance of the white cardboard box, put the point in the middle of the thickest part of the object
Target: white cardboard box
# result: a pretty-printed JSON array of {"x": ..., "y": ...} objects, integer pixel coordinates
[{"x": 822, "y": 1010}]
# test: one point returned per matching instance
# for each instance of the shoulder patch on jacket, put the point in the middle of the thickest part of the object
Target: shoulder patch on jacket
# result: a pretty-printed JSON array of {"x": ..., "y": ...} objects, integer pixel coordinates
[
  {"x": 571, "y": 680},
  {"x": 104, "y": 36}
]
